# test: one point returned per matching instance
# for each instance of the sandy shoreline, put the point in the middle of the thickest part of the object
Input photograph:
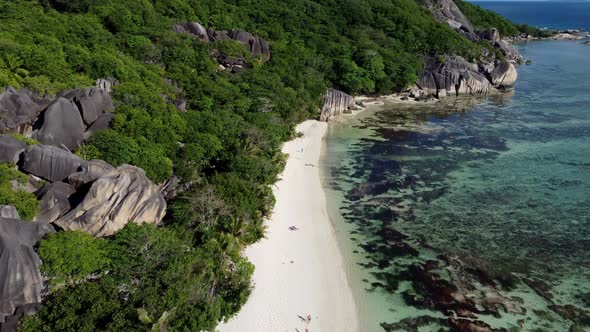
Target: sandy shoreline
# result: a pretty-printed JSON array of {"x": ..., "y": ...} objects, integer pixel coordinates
[{"x": 301, "y": 272}]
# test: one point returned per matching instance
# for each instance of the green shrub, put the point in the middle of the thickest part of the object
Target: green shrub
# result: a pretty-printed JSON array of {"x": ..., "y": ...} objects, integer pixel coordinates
[
  {"x": 26, "y": 203},
  {"x": 72, "y": 255},
  {"x": 25, "y": 139}
]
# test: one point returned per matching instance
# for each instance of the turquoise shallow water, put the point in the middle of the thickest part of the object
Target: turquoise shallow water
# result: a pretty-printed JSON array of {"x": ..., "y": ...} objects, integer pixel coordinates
[{"x": 473, "y": 210}]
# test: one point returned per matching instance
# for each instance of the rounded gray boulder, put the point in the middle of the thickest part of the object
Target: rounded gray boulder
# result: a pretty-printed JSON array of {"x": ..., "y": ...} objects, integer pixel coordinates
[
  {"x": 504, "y": 75},
  {"x": 17, "y": 112},
  {"x": 10, "y": 149},
  {"x": 91, "y": 102},
  {"x": 60, "y": 124},
  {"x": 50, "y": 163}
]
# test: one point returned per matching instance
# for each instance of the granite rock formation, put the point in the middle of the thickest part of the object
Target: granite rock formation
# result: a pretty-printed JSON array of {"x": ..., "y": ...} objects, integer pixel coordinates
[
  {"x": 510, "y": 53},
  {"x": 120, "y": 196},
  {"x": 192, "y": 28},
  {"x": 91, "y": 103},
  {"x": 103, "y": 122},
  {"x": 107, "y": 84},
  {"x": 64, "y": 121},
  {"x": 60, "y": 125},
  {"x": 446, "y": 11},
  {"x": 10, "y": 149},
  {"x": 452, "y": 76},
  {"x": 20, "y": 280},
  {"x": 88, "y": 172},
  {"x": 492, "y": 35},
  {"x": 50, "y": 163},
  {"x": 55, "y": 201},
  {"x": 335, "y": 102},
  {"x": 255, "y": 45},
  {"x": 69, "y": 118},
  {"x": 504, "y": 75},
  {"x": 17, "y": 112},
  {"x": 8, "y": 211}
]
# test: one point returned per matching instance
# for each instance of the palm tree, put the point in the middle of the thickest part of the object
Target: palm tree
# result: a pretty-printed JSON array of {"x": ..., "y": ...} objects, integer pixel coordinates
[{"x": 14, "y": 65}]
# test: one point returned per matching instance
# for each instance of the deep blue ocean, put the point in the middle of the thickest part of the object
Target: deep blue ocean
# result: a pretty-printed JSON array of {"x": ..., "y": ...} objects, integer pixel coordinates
[
  {"x": 473, "y": 214},
  {"x": 543, "y": 14}
]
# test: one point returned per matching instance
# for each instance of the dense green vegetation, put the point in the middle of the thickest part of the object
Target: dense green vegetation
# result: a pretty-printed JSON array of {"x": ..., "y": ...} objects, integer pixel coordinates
[
  {"x": 485, "y": 19},
  {"x": 26, "y": 204},
  {"x": 189, "y": 274},
  {"x": 70, "y": 256}
]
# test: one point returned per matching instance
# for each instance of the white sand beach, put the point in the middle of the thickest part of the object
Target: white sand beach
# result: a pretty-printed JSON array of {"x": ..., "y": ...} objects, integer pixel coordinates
[{"x": 298, "y": 272}]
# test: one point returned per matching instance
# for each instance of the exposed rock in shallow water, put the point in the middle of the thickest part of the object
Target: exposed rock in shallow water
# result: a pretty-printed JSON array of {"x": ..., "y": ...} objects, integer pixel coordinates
[
  {"x": 504, "y": 75},
  {"x": 335, "y": 103},
  {"x": 573, "y": 313},
  {"x": 452, "y": 76},
  {"x": 510, "y": 53},
  {"x": 120, "y": 196},
  {"x": 20, "y": 280},
  {"x": 17, "y": 112},
  {"x": 50, "y": 163}
]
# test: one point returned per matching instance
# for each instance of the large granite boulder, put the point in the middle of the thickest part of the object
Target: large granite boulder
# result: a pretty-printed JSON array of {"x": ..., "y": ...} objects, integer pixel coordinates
[
  {"x": 217, "y": 35},
  {"x": 10, "y": 149},
  {"x": 446, "y": 11},
  {"x": 335, "y": 102},
  {"x": 473, "y": 83},
  {"x": 8, "y": 211},
  {"x": 193, "y": 28},
  {"x": 20, "y": 280},
  {"x": 510, "y": 53},
  {"x": 88, "y": 172},
  {"x": 120, "y": 196},
  {"x": 17, "y": 112},
  {"x": 256, "y": 45},
  {"x": 504, "y": 75},
  {"x": 50, "y": 163},
  {"x": 60, "y": 124},
  {"x": 103, "y": 122},
  {"x": 107, "y": 84},
  {"x": 452, "y": 76},
  {"x": 493, "y": 35},
  {"x": 55, "y": 201},
  {"x": 91, "y": 102}
]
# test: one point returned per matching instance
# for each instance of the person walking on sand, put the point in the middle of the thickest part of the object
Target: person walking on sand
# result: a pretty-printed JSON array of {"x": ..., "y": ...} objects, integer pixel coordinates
[{"x": 308, "y": 321}]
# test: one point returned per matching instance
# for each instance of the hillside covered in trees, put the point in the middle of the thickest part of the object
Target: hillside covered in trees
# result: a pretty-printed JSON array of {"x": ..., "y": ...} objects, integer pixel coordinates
[{"x": 222, "y": 145}]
